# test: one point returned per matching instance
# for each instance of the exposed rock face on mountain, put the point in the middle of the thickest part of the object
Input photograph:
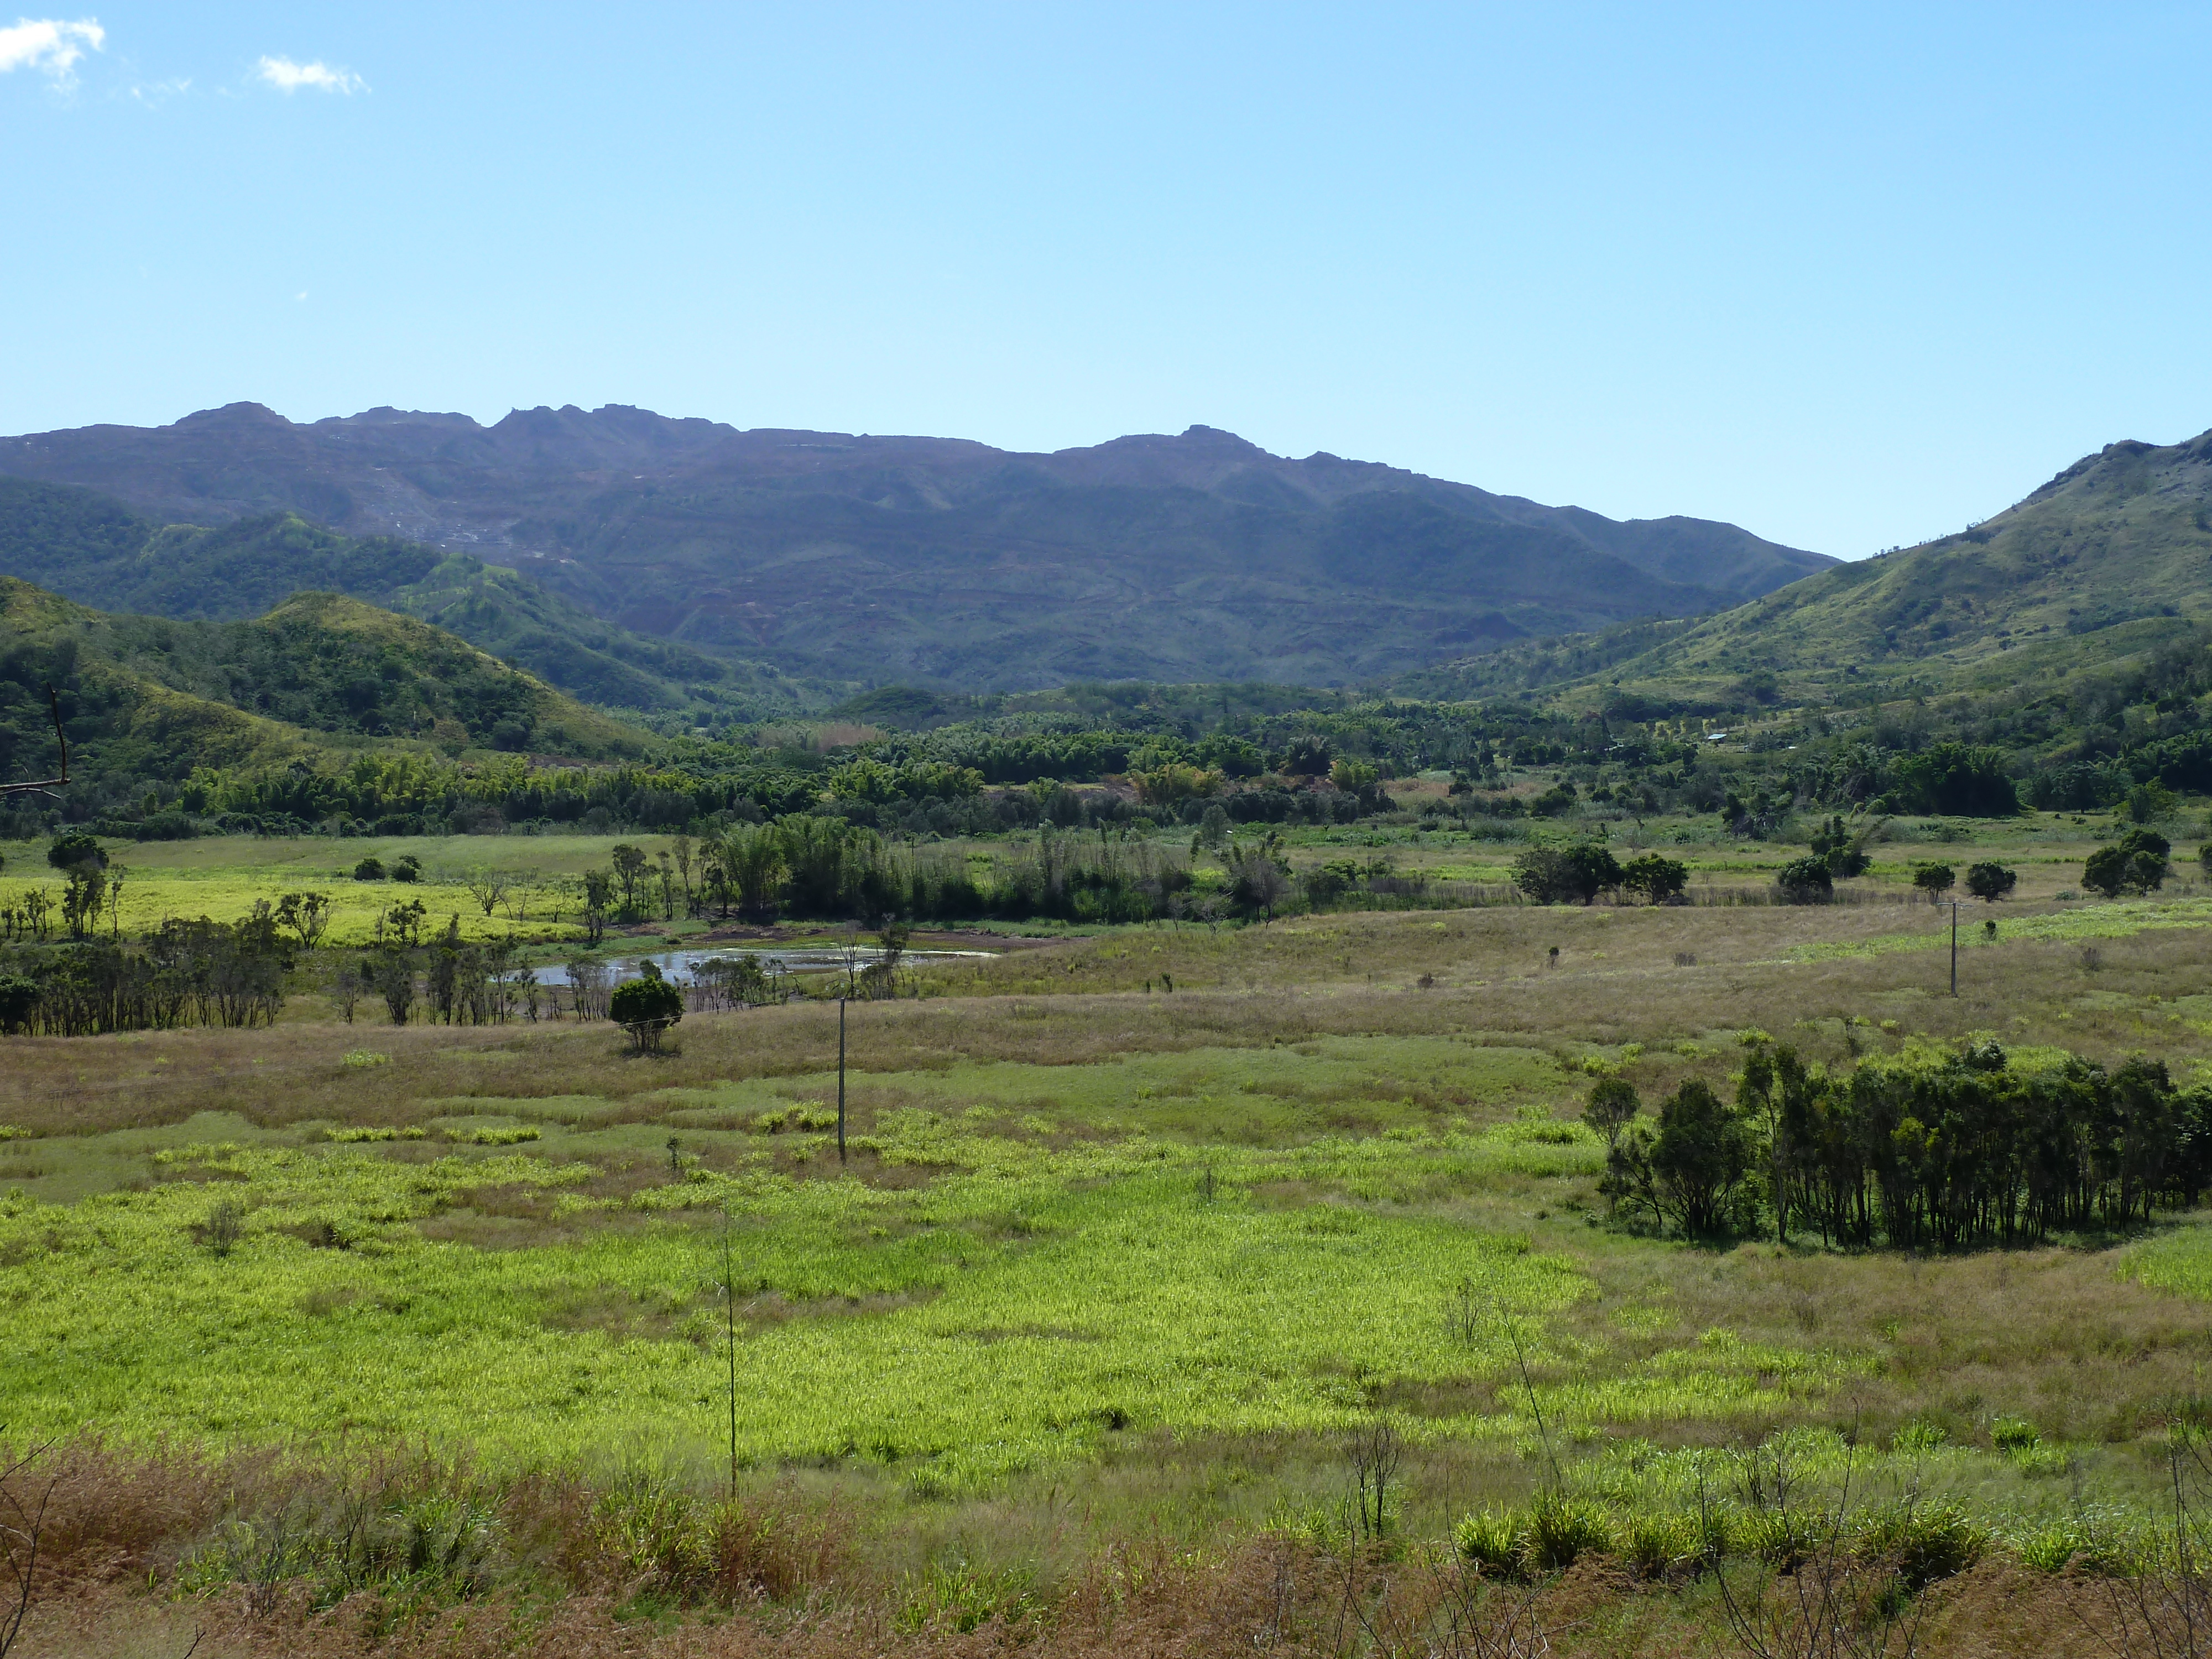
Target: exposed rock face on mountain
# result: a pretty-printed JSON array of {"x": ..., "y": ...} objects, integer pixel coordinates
[{"x": 1198, "y": 557}]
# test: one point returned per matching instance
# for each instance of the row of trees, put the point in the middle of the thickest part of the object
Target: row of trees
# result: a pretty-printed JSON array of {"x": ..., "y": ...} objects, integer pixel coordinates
[
  {"x": 453, "y": 981},
  {"x": 186, "y": 973},
  {"x": 805, "y": 865},
  {"x": 1971, "y": 1150}
]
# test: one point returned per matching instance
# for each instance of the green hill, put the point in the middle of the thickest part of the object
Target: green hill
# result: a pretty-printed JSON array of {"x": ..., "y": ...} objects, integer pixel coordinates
[
  {"x": 96, "y": 551},
  {"x": 152, "y": 697},
  {"x": 2107, "y": 562}
]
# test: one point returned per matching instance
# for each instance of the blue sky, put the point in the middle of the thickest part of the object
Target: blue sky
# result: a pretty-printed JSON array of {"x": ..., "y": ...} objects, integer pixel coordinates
[{"x": 1849, "y": 276}]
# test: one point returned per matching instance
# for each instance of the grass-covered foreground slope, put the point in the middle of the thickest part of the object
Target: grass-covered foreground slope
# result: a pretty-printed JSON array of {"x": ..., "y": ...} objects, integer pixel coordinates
[{"x": 148, "y": 696}]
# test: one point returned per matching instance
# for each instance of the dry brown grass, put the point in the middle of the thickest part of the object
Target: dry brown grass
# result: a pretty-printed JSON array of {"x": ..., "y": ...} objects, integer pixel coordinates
[
  {"x": 1081, "y": 1001},
  {"x": 1130, "y": 1600},
  {"x": 2054, "y": 1336}
]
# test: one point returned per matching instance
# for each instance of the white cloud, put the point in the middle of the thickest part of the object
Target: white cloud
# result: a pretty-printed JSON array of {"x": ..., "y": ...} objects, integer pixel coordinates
[
  {"x": 286, "y": 75},
  {"x": 49, "y": 45}
]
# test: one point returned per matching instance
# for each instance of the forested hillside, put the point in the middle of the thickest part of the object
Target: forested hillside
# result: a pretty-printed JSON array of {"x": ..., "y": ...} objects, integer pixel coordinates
[
  {"x": 93, "y": 548},
  {"x": 146, "y": 701}
]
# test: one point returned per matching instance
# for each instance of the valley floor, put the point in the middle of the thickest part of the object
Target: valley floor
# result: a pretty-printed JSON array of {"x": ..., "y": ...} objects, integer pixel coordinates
[{"x": 1111, "y": 1273}]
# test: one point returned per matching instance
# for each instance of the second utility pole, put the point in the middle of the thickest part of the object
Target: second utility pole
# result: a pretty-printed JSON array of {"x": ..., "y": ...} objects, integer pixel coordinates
[{"x": 1955, "y": 991}]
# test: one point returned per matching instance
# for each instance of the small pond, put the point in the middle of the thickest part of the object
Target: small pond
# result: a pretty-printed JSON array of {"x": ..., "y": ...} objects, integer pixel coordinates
[{"x": 800, "y": 959}]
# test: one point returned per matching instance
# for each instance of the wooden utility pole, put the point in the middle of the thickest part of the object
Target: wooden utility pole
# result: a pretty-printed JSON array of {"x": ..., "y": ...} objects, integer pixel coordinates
[
  {"x": 1955, "y": 947},
  {"x": 840, "y": 1079},
  {"x": 730, "y": 1312}
]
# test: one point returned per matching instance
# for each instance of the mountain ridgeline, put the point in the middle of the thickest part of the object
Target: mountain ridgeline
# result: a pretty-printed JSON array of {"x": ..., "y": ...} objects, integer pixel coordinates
[
  {"x": 2109, "y": 563},
  {"x": 937, "y": 562}
]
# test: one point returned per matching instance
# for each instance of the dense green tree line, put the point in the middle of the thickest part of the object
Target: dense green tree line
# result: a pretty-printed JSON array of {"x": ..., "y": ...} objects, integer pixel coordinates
[
  {"x": 185, "y": 973},
  {"x": 1969, "y": 1149},
  {"x": 810, "y": 866}
]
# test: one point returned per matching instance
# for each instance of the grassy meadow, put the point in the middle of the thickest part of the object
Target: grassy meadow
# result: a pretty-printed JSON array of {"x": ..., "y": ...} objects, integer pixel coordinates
[{"x": 1138, "y": 1230}]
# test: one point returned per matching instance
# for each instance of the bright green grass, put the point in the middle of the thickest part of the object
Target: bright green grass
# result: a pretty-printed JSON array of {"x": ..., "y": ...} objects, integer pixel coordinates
[
  {"x": 2178, "y": 1259},
  {"x": 2121, "y": 920},
  {"x": 1246, "y": 1095},
  {"x": 1021, "y": 1305},
  {"x": 1011, "y": 1311},
  {"x": 223, "y": 878}
]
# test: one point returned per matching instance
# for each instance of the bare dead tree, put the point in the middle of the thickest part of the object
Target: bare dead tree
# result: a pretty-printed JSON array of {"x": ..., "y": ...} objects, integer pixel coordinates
[
  {"x": 487, "y": 887},
  {"x": 1814, "y": 1596},
  {"x": 22, "y": 1530},
  {"x": 1374, "y": 1451},
  {"x": 1439, "y": 1606},
  {"x": 520, "y": 884},
  {"x": 2164, "y": 1610}
]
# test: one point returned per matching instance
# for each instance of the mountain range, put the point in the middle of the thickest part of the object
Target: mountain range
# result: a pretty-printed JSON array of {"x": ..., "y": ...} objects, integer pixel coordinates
[{"x": 931, "y": 560}]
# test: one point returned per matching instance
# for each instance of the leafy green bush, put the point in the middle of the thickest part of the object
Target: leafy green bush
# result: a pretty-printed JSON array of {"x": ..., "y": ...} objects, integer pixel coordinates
[
  {"x": 76, "y": 851},
  {"x": 2051, "y": 1546},
  {"x": 2152, "y": 800},
  {"x": 1840, "y": 850},
  {"x": 2134, "y": 864},
  {"x": 646, "y": 1008},
  {"x": 224, "y": 1226},
  {"x": 1559, "y": 1530},
  {"x": 1550, "y": 1535},
  {"x": 1783, "y": 1538},
  {"x": 1657, "y": 1544},
  {"x": 1924, "y": 1540},
  {"x": 1566, "y": 875},
  {"x": 1934, "y": 879},
  {"x": 496, "y": 1137},
  {"x": 1612, "y": 1106},
  {"x": 1805, "y": 881},
  {"x": 1955, "y": 780},
  {"x": 962, "y": 1598},
  {"x": 1491, "y": 1539},
  {"x": 1989, "y": 882},
  {"x": 1659, "y": 879},
  {"x": 1689, "y": 1171},
  {"x": 19, "y": 996}
]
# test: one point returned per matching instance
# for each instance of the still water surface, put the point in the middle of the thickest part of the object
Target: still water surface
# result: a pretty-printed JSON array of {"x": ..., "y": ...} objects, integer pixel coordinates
[{"x": 805, "y": 959}]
